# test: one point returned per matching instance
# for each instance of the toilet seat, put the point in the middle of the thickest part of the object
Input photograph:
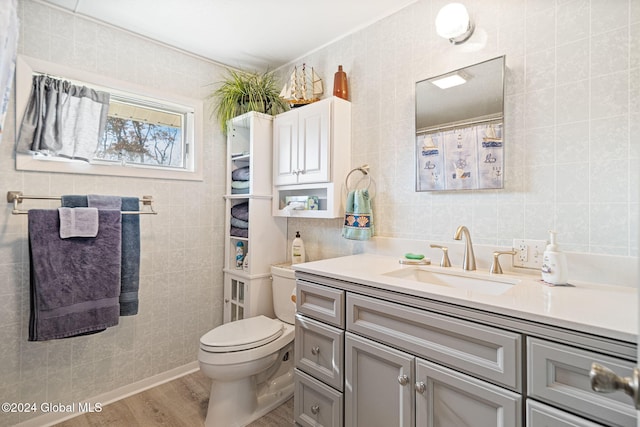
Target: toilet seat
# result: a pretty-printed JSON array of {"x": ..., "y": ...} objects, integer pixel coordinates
[{"x": 241, "y": 335}]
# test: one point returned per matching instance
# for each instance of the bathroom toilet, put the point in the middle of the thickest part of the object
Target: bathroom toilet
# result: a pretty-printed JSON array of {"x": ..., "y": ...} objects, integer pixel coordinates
[{"x": 250, "y": 361}]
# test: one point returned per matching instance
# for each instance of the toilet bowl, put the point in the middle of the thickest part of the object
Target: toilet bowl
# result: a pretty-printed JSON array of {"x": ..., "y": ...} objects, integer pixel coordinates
[{"x": 250, "y": 361}]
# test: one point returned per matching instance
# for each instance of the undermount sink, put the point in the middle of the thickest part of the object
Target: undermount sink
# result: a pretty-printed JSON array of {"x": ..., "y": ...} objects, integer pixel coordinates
[{"x": 459, "y": 280}]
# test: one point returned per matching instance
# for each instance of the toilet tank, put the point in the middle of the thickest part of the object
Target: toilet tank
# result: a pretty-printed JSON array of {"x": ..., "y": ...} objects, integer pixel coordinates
[{"x": 283, "y": 286}]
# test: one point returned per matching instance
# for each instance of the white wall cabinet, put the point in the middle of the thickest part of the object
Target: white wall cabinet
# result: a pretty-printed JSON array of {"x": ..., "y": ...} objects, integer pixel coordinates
[
  {"x": 248, "y": 219},
  {"x": 312, "y": 156}
]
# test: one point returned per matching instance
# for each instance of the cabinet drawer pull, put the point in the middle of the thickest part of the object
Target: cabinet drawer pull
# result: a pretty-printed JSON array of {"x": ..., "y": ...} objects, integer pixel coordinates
[
  {"x": 421, "y": 387},
  {"x": 315, "y": 350},
  {"x": 315, "y": 409},
  {"x": 403, "y": 380},
  {"x": 604, "y": 380}
]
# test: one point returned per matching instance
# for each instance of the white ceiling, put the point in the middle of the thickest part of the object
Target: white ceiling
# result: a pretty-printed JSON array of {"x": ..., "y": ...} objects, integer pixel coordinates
[{"x": 253, "y": 35}]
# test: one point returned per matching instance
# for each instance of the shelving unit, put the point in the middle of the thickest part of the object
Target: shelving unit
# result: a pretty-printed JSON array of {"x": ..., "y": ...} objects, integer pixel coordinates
[{"x": 247, "y": 292}]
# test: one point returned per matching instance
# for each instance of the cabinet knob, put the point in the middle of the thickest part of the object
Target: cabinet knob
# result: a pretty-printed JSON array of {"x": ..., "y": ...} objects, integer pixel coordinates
[
  {"x": 403, "y": 380},
  {"x": 315, "y": 350},
  {"x": 226, "y": 300},
  {"x": 604, "y": 380},
  {"x": 315, "y": 409},
  {"x": 421, "y": 387}
]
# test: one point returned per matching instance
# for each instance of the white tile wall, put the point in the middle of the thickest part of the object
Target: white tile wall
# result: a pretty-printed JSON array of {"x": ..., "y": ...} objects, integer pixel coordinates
[
  {"x": 181, "y": 268},
  {"x": 572, "y": 114}
]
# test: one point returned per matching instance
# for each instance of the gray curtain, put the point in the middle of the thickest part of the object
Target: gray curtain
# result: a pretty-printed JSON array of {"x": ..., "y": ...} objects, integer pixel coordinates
[
  {"x": 63, "y": 119},
  {"x": 8, "y": 52}
]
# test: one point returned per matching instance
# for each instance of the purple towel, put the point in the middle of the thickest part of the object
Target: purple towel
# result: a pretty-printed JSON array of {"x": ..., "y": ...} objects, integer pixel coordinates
[
  {"x": 130, "y": 276},
  {"x": 75, "y": 283}
]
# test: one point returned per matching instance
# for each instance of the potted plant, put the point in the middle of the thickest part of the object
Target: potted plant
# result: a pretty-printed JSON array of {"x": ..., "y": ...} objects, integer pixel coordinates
[{"x": 242, "y": 92}]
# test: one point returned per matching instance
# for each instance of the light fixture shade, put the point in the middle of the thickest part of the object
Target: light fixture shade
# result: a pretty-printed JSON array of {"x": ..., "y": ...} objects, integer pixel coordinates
[{"x": 453, "y": 23}]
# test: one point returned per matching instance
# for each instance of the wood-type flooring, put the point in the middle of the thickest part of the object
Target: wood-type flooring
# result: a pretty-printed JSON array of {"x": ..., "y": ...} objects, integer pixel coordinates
[{"x": 178, "y": 403}]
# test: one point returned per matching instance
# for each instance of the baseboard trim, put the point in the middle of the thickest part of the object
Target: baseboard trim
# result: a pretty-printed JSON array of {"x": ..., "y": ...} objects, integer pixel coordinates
[{"x": 104, "y": 399}]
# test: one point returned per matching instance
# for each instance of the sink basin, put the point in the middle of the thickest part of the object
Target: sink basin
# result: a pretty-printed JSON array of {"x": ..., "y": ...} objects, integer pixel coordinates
[{"x": 460, "y": 280}]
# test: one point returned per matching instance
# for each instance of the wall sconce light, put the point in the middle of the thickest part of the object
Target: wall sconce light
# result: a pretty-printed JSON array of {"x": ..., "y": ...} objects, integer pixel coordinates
[{"x": 453, "y": 23}]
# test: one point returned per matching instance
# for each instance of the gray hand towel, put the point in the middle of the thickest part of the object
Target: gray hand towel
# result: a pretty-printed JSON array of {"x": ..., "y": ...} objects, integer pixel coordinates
[{"x": 78, "y": 222}]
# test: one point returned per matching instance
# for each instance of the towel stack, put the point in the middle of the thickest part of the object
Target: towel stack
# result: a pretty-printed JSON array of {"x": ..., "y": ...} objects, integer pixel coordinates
[
  {"x": 240, "y": 220},
  {"x": 240, "y": 181}
]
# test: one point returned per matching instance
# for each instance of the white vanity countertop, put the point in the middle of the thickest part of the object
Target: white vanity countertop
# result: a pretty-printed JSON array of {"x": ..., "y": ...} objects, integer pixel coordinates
[{"x": 609, "y": 311}]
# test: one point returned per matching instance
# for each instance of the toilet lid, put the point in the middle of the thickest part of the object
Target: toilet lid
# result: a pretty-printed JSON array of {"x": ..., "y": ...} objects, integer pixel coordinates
[{"x": 241, "y": 335}]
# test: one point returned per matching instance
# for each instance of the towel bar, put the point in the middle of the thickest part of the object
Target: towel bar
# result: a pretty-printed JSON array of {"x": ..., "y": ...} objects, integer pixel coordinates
[{"x": 16, "y": 197}]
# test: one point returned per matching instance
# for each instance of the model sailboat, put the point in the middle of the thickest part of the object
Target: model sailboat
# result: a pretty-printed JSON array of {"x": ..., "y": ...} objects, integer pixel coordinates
[{"x": 302, "y": 88}]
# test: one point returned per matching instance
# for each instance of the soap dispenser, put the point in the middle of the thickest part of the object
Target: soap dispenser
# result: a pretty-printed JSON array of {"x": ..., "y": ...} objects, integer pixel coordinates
[
  {"x": 554, "y": 263},
  {"x": 297, "y": 250}
]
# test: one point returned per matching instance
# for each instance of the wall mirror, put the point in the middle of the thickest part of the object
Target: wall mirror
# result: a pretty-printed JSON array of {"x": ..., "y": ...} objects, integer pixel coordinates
[{"x": 459, "y": 129}]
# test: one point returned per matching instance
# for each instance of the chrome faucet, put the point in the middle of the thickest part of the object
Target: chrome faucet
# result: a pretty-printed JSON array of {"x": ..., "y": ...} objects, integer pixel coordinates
[{"x": 469, "y": 260}]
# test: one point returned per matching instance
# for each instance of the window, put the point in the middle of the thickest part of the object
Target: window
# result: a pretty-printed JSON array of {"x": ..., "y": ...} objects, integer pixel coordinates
[{"x": 146, "y": 134}]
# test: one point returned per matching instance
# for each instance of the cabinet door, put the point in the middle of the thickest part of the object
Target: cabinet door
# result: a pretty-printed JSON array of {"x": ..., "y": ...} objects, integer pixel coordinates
[
  {"x": 314, "y": 124},
  {"x": 378, "y": 385},
  {"x": 285, "y": 148},
  {"x": 446, "y": 398}
]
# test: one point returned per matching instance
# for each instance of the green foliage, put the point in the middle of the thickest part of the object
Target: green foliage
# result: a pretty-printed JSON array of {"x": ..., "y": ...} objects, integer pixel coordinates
[{"x": 242, "y": 92}]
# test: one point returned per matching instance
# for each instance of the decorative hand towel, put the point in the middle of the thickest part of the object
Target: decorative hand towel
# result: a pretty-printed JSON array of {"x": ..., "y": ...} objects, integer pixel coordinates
[
  {"x": 75, "y": 283},
  {"x": 78, "y": 222},
  {"x": 358, "y": 218},
  {"x": 130, "y": 257}
]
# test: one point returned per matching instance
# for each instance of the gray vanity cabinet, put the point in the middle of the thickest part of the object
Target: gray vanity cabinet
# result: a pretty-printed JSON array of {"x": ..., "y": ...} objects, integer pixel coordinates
[
  {"x": 366, "y": 358},
  {"x": 398, "y": 355},
  {"x": 385, "y": 383}
]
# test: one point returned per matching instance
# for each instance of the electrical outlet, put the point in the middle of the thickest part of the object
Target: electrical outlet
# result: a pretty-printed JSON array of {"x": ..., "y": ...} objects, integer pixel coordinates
[{"x": 528, "y": 253}]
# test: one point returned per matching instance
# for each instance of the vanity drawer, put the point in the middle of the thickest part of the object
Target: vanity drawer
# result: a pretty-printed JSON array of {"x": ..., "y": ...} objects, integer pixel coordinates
[
  {"x": 320, "y": 302},
  {"x": 318, "y": 350},
  {"x": 479, "y": 350},
  {"x": 541, "y": 415},
  {"x": 316, "y": 404},
  {"x": 559, "y": 375}
]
